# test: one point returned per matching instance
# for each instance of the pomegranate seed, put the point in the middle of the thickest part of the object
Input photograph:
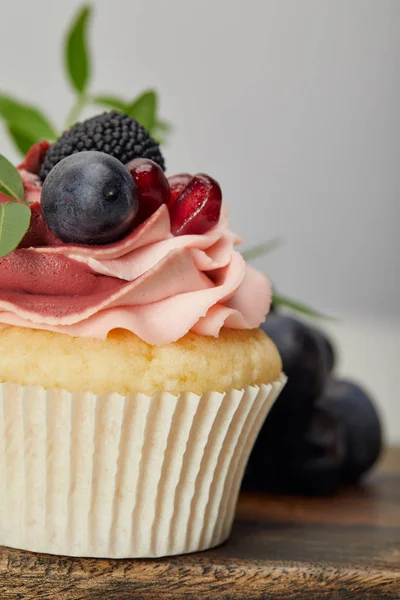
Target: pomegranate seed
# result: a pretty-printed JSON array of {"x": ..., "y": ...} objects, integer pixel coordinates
[
  {"x": 177, "y": 184},
  {"x": 35, "y": 157},
  {"x": 153, "y": 186},
  {"x": 38, "y": 233},
  {"x": 198, "y": 208}
]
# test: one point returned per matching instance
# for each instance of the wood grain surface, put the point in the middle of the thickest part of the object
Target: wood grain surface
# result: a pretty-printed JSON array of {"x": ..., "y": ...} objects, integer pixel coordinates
[{"x": 341, "y": 547}]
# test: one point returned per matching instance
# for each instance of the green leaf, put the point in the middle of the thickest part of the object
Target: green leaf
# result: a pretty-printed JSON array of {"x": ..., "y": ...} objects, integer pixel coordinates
[
  {"x": 278, "y": 300},
  {"x": 111, "y": 102},
  {"x": 77, "y": 58},
  {"x": 10, "y": 181},
  {"x": 164, "y": 126},
  {"x": 14, "y": 223},
  {"x": 161, "y": 130},
  {"x": 261, "y": 249},
  {"x": 144, "y": 109},
  {"x": 21, "y": 140},
  {"x": 30, "y": 121}
]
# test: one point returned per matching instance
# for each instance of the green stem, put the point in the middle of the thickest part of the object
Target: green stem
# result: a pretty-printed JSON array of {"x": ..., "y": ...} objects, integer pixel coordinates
[
  {"x": 261, "y": 249},
  {"x": 76, "y": 110},
  {"x": 299, "y": 307}
]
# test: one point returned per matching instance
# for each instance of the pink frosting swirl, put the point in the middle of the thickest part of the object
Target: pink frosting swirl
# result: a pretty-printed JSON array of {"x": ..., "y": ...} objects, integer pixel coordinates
[{"x": 151, "y": 283}]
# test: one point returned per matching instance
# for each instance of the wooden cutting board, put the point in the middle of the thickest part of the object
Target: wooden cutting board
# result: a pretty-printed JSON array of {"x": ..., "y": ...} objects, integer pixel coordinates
[{"x": 341, "y": 547}]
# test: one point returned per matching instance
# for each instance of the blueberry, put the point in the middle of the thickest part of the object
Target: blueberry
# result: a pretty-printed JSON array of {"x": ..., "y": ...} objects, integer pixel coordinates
[
  {"x": 89, "y": 198},
  {"x": 354, "y": 411},
  {"x": 304, "y": 359}
]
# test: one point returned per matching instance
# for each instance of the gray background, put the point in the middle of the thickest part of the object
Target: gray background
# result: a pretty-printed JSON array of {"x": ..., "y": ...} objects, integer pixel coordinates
[{"x": 293, "y": 105}]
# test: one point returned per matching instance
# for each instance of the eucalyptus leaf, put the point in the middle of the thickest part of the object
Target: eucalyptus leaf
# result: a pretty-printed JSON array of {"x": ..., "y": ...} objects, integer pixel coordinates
[
  {"x": 22, "y": 141},
  {"x": 111, "y": 102},
  {"x": 77, "y": 56},
  {"x": 299, "y": 307},
  {"x": 14, "y": 223},
  {"x": 261, "y": 249},
  {"x": 10, "y": 181},
  {"x": 144, "y": 109},
  {"x": 29, "y": 120}
]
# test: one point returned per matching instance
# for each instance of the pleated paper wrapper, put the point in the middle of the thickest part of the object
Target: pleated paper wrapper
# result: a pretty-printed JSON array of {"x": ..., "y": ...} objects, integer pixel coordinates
[{"x": 118, "y": 477}]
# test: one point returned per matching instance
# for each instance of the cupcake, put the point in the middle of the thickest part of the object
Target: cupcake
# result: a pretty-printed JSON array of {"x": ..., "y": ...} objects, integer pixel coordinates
[{"x": 134, "y": 378}]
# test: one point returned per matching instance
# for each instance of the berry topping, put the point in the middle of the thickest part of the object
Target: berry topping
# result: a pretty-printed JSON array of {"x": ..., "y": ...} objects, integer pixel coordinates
[
  {"x": 198, "y": 208},
  {"x": 89, "y": 198},
  {"x": 152, "y": 186},
  {"x": 177, "y": 184},
  {"x": 112, "y": 133}
]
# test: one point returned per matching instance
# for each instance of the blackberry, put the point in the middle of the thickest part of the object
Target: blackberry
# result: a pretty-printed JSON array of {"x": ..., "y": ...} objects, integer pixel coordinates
[{"x": 112, "y": 133}]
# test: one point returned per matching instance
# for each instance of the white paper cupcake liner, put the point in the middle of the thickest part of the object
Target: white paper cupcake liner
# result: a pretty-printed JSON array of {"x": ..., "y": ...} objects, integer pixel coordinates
[{"x": 119, "y": 477}]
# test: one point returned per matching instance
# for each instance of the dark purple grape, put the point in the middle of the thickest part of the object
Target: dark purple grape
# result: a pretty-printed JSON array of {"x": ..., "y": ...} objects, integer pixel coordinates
[
  {"x": 304, "y": 361},
  {"x": 317, "y": 470},
  {"x": 282, "y": 438},
  {"x": 326, "y": 344},
  {"x": 298, "y": 460},
  {"x": 89, "y": 198},
  {"x": 356, "y": 414}
]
